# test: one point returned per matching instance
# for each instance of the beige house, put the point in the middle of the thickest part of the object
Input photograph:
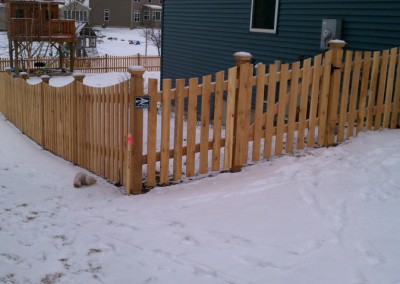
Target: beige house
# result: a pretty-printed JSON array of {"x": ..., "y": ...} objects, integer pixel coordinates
[
  {"x": 127, "y": 13},
  {"x": 77, "y": 10}
]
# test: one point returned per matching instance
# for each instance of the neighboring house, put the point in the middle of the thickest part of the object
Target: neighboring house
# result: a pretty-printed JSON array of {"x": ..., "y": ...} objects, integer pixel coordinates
[
  {"x": 77, "y": 10},
  {"x": 200, "y": 37},
  {"x": 85, "y": 40},
  {"x": 3, "y": 16},
  {"x": 128, "y": 13}
]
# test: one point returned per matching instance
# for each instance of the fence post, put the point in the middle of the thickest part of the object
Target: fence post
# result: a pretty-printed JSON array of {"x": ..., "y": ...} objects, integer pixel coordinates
[
  {"x": 24, "y": 75},
  {"x": 78, "y": 77},
  {"x": 333, "y": 102},
  {"x": 239, "y": 131},
  {"x": 136, "y": 128},
  {"x": 45, "y": 80}
]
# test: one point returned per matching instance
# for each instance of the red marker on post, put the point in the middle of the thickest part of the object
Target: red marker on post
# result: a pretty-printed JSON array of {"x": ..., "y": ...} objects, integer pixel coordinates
[{"x": 130, "y": 139}]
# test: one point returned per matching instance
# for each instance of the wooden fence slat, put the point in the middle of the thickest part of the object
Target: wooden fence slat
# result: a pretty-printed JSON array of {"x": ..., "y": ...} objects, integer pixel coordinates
[
  {"x": 152, "y": 133},
  {"x": 389, "y": 88},
  {"x": 191, "y": 127},
  {"x": 259, "y": 107},
  {"x": 381, "y": 89},
  {"x": 324, "y": 98},
  {"x": 280, "y": 124},
  {"x": 396, "y": 98},
  {"x": 218, "y": 105},
  {"x": 363, "y": 91},
  {"x": 345, "y": 96},
  {"x": 303, "y": 108},
  {"x": 178, "y": 131},
  {"x": 354, "y": 94},
  {"x": 269, "y": 118},
  {"x": 293, "y": 93},
  {"x": 372, "y": 90},
  {"x": 205, "y": 123},
  {"x": 165, "y": 131},
  {"x": 230, "y": 117}
]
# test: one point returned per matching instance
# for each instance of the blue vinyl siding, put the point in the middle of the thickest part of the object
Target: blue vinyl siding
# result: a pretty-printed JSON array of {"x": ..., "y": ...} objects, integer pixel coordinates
[{"x": 200, "y": 36}]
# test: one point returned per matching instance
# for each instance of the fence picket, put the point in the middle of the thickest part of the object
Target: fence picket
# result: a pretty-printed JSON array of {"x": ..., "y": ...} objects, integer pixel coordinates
[
  {"x": 205, "y": 123},
  {"x": 152, "y": 133},
  {"x": 165, "y": 130},
  {"x": 258, "y": 123},
  {"x": 396, "y": 98},
  {"x": 372, "y": 90},
  {"x": 280, "y": 124},
  {"x": 178, "y": 131},
  {"x": 269, "y": 122},
  {"x": 389, "y": 88},
  {"x": 354, "y": 94},
  {"x": 293, "y": 93},
  {"x": 230, "y": 117},
  {"x": 218, "y": 105},
  {"x": 363, "y": 91},
  {"x": 381, "y": 89},
  {"x": 345, "y": 96},
  {"x": 303, "y": 108},
  {"x": 191, "y": 129}
]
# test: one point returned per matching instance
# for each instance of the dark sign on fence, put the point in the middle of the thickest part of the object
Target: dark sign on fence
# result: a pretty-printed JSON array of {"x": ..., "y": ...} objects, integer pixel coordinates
[{"x": 142, "y": 102}]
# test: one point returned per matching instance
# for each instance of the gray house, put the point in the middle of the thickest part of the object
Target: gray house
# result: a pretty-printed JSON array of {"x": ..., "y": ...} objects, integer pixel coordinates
[
  {"x": 126, "y": 13},
  {"x": 200, "y": 36}
]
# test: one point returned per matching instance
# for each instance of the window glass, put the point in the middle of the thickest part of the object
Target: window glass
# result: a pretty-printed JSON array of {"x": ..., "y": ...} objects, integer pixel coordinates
[{"x": 264, "y": 15}]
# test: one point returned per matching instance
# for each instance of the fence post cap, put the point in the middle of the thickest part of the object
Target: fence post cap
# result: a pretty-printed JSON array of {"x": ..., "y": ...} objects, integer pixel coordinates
[
  {"x": 136, "y": 70},
  {"x": 24, "y": 75},
  {"x": 45, "y": 78},
  {"x": 336, "y": 43},
  {"x": 78, "y": 76},
  {"x": 242, "y": 55}
]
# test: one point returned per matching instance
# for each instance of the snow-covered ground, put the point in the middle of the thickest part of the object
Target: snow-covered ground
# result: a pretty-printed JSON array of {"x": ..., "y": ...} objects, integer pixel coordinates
[
  {"x": 321, "y": 216},
  {"x": 111, "y": 41}
]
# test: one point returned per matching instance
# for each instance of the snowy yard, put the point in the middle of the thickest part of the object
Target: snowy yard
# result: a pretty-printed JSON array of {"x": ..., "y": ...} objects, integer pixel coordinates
[{"x": 322, "y": 216}]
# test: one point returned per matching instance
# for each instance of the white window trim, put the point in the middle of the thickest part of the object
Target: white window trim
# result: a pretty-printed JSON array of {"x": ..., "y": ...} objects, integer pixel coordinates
[
  {"x": 269, "y": 31},
  {"x": 136, "y": 16},
  {"x": 106, "y": 11}
]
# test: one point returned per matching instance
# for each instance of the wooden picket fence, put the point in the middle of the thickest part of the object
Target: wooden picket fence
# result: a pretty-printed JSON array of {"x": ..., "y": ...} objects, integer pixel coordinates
[
  {"x": 100, "y": 64},
  {"x": 318, "y": 102},
  {"x": 82, "y": 124},
  {"x": 209, "y": 124}
]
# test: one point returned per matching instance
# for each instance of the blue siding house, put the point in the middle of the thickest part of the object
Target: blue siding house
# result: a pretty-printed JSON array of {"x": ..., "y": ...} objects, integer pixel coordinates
[{"x": 201, "y": 36}]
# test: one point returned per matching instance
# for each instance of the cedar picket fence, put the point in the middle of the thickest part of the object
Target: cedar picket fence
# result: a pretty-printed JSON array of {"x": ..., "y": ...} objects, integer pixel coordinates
[
  {"x": 318, "y": 102},
  {"x": 100, "y": 64}
]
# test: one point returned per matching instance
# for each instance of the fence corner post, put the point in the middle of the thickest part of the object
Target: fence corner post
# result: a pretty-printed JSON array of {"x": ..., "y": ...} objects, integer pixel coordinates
[
  {"x": 45, "y": 80},
  {"x": 78, "y": 77},
  {"x": 136, "y": 128},
  {"x": 239, "y": 135},
  {"x": 24, "y": 75},
  {"x": 8, "y": 71},
  {"x": 333, "y": 101}
]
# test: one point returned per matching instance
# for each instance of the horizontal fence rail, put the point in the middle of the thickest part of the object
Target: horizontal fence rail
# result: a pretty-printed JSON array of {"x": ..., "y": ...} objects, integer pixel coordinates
[
  {"x": 100, "y": 64},
  {"x": 210, "y": 124}
]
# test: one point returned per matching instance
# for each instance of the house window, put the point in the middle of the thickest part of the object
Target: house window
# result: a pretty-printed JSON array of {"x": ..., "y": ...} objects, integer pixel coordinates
[
  {"x": 19, "y": 13},
  {"x": 85, "y": 16},
  {"x": 157, "y": 15},
  {"x": 264, "y": 15},
  {"x": 136, "y": 16},
  {"x": 65, "y": 14},
  {"x": 106, "y": 15},
  {"x": 146, "y": 15}
]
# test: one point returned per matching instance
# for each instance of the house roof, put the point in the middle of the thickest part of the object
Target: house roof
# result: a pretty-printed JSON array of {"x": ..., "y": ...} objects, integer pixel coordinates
[{"x": 84, "y": 4}]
